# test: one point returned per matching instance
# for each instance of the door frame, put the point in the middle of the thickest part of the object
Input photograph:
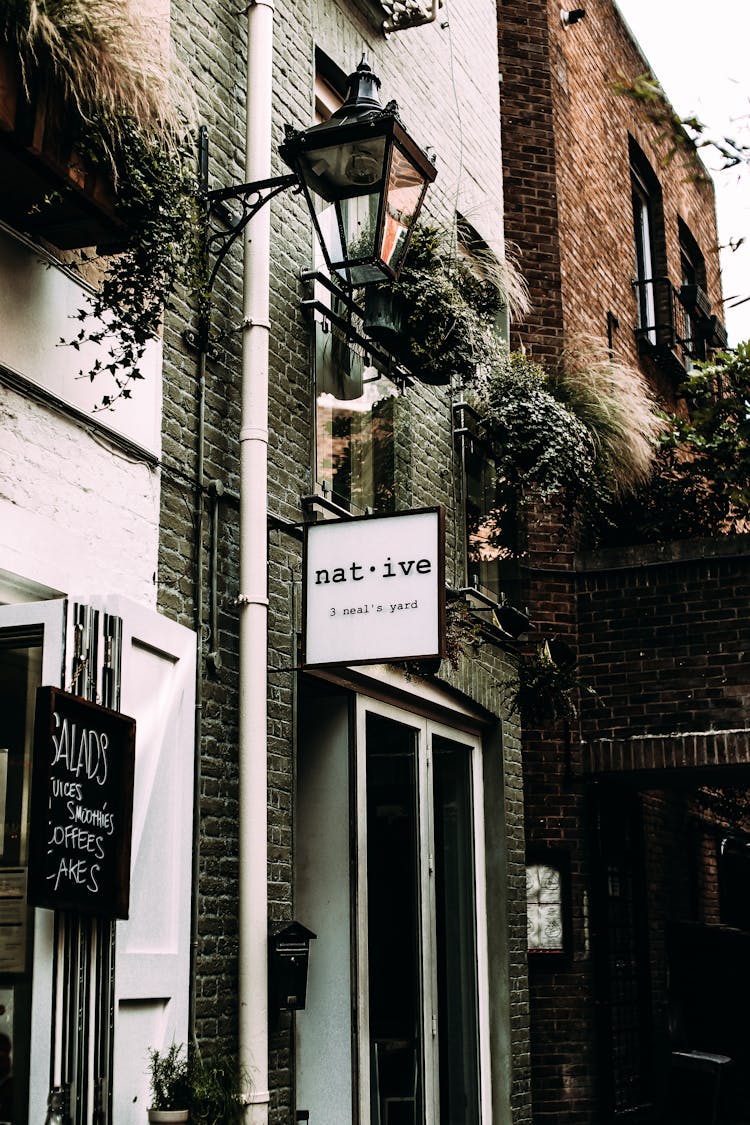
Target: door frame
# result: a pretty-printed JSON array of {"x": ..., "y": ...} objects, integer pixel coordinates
[
  {"x": 50, "y": 616},
  {"x": 425, "y": 729}
]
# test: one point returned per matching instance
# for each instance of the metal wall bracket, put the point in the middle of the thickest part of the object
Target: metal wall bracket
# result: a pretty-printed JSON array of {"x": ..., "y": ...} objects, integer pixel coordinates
[{"x": 253, "y": 197}]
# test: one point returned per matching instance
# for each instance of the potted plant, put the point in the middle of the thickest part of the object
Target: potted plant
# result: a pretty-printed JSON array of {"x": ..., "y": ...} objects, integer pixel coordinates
[{"x": 169, "y": 1073}]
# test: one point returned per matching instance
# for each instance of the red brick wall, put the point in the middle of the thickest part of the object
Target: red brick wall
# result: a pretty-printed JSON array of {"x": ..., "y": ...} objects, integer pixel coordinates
[
  {"x": 529, "y": 183},
  {"x": 666, "y": 644},
  {"x": 568, "y": 210},
  {"x": 567, "y": 176}
]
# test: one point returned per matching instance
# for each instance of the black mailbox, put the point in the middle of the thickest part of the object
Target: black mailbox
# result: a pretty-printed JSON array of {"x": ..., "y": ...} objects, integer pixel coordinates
[{"x": 288, "y": 955}]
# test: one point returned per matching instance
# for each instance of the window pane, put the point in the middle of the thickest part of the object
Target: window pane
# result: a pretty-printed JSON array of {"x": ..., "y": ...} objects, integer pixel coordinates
[
  {"x": 544, "y": 907},
  {"x": 355, "y": 427},
  {"x": 455, "y": 934},
  {"x": 394, "y": 922},
  {"x": 405, "y": 188},
  {"x": 20, "y": 675}
]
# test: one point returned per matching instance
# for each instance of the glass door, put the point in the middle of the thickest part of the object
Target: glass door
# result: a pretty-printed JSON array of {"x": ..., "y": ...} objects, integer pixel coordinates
[
  {"x": 422, "y": 1025},
  {"x": 31, "y": 654}
]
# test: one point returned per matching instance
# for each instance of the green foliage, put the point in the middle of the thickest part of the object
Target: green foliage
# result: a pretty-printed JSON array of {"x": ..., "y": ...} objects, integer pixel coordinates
[
  {"x": 208, "y": 1087},
  {"x": 157, "y": 200},
  {"x": 586, "y": 428},
  {"x": 169, "y": 1073},
  {"x": 463, "y": 633},
  {"x": 700, "y": 485},
  {"x": 535, "y": 440},
  {"x": 450, "y": 310},
  {"x": 548, "y": 685},
  {"x": 215, "y": 1091}
]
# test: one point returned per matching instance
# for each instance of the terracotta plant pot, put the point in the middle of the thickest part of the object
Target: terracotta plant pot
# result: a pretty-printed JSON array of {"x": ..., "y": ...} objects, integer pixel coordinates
[{"x": 167, "y": 1116}]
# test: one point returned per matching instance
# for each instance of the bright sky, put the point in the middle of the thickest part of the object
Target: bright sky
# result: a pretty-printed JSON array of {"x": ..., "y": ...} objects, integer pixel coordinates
[{"x": 698, "y": 49}]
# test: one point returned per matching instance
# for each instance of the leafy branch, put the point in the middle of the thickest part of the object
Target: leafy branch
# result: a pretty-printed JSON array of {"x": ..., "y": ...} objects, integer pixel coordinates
[{"x": 679, "y": 133}]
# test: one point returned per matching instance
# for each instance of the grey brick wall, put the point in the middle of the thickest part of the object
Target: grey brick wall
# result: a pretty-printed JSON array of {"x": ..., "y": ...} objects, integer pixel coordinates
[{"x": 447, "y": 92}]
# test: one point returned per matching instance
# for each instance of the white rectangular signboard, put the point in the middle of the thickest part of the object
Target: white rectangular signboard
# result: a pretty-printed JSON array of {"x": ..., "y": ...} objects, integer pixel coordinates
[{"x": 374, "y": 589}]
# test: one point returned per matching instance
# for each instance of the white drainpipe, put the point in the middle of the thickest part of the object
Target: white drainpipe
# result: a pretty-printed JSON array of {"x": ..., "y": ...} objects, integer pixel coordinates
[{"x": 253, "y": 779}]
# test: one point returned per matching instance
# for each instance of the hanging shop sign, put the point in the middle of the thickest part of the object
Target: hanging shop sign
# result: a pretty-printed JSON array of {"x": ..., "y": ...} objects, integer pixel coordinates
[
  {"x": 81, "y": 806},
  {"x": 374, "y": 589}
]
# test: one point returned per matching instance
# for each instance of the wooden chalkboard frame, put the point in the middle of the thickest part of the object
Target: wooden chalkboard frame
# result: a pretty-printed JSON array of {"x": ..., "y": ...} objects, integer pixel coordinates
[{"x": 111, "y": 769}]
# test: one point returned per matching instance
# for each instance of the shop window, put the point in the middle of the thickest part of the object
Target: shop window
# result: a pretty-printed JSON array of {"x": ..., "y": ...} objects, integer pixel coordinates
[
  {"x": 415, "y": 858},
  {"x": 547, "y": 915},
  {"x": 652, "y": 289}
]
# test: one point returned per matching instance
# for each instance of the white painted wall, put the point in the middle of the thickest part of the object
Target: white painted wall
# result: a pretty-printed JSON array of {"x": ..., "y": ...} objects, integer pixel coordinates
[
  {"x": 76, "y": 512},
  {"x": 38, "y": 306}
]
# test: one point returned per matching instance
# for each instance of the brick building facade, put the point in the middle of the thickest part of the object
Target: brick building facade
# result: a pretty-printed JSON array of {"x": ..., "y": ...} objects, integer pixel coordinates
[
  {"x": 625, "y": 804},
  {"x": 150, "y": 538}
]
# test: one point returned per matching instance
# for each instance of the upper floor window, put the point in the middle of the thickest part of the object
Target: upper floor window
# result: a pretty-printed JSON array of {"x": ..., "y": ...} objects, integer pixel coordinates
[
  {"x": 652, "y": 288},
  {"x": 356, "y": 425},
  {"x": 696, "y": 308}
]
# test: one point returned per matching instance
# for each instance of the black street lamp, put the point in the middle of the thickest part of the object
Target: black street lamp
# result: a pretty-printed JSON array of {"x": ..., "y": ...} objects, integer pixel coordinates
[{"x": 364, "y": 180}]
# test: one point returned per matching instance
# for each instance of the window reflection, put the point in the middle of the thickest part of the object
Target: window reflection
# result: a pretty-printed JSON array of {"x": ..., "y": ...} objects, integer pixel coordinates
[{"x": 355, "y": 426}]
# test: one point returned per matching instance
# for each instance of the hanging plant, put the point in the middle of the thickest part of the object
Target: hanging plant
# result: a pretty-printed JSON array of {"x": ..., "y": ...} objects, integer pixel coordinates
[
  {"x": 158, "y": 203},
  {"x": 548, "y": 685},
  {"x": 451, "y": 306},
  {"x": 129, "y": 108},
  {"x": 463, "y": 636}
]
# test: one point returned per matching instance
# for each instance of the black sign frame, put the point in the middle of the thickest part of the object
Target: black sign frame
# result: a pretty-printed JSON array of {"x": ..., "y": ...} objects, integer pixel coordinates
[{"x": 81, "y": 814}]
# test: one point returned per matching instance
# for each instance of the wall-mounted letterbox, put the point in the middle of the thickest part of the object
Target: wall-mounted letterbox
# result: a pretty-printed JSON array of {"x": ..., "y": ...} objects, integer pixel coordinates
[{"x": 288, "y": 956}]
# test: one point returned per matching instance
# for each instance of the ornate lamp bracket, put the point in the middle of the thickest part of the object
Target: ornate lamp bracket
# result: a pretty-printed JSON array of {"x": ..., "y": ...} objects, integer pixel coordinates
[{"x": 252, "y": 197}]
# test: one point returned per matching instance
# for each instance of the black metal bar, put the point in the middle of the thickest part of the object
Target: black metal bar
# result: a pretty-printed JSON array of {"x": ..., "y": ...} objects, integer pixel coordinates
[
  {"x": 242, "y": 191},
  {"x": 353, "y": 335},
  {"x": 263, "y": 190}
]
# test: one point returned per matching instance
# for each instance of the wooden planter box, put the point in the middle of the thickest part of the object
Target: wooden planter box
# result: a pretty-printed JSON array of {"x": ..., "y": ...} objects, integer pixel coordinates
[{"x": 46, "y": 188}]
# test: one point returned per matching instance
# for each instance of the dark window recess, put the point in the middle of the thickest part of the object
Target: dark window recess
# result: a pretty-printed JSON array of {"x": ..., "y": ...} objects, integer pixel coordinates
[
  {"x": 655, "y": 319},
  {"x": 492, "y": 535},
  {"x": 734, "y": 883},
  {"x": 622, "y": 959},
  {"x": 700, "y": 329}
]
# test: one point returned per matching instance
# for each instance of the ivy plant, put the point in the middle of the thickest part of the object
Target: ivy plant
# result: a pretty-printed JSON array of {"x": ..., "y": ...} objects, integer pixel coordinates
[
  {"x": 129, "y": 106},
  {"x": 158, "y": 202}
]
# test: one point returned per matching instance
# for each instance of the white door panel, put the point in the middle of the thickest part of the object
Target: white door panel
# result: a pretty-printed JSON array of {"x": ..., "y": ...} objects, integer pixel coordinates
[{"x": 153, "y": 945}]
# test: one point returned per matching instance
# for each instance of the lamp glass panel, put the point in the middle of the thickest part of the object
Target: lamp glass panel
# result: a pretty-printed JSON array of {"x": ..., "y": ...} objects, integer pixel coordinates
[
  {"x": 339, "y": 170},
  {"x": 403, "y": 197},
  {"x": 350, "y": 230}
]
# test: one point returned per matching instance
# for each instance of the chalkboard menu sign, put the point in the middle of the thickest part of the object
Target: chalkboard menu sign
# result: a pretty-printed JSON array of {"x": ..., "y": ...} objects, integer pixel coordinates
[{"x": 81, "y": 806}]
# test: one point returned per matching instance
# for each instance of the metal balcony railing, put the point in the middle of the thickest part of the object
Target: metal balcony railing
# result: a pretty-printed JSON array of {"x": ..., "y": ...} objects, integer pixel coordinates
[{"x": 675, "y": 326}]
